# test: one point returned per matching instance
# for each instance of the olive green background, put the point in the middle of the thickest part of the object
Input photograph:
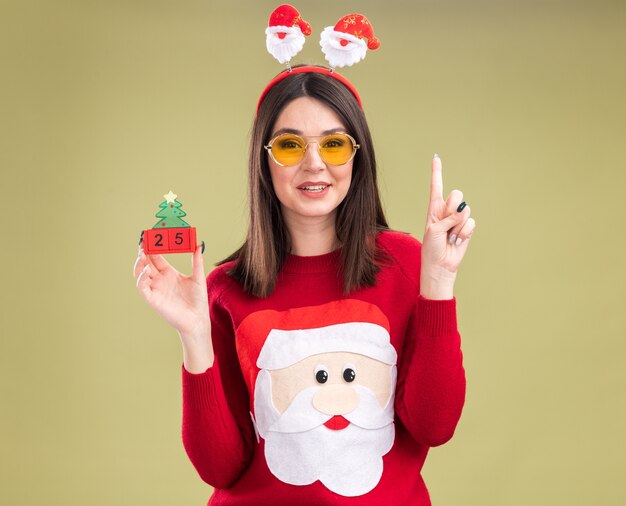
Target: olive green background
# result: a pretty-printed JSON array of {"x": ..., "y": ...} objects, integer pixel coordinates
[{"x": 107, "y": 105}]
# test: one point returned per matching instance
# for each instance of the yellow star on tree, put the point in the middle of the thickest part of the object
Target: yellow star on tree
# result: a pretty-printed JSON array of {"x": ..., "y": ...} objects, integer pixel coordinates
[{"x": 170, "y": 197}]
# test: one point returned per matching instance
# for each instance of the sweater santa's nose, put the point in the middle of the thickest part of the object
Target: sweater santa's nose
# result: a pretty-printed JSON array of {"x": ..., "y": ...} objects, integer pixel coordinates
[{"x": 335, "y": 399}]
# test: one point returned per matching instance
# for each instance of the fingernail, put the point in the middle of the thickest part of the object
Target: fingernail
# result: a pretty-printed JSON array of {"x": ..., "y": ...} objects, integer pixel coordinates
[
  {"x": 461, "y": 207},
  {"x": 436, "y": 155},
  {"x": 459, "y": 241},
  {"x": 203, "y": 247},
  {"x": 452, "y": 238}
]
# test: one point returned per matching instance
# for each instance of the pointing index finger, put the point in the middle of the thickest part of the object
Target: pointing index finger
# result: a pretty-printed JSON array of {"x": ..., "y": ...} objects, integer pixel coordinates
[{"x": 436, "y": 180}]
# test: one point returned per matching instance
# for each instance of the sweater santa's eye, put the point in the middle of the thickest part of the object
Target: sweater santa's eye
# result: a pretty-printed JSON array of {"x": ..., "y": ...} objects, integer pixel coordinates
[
  {"x": 321, "y": 376},
  {"x": 349, "y": 374}
]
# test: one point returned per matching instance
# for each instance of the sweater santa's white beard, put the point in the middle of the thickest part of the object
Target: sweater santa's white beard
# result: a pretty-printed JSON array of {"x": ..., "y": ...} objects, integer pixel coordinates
[
  {"x": 300, "y": 449},
  {"x": 286, "y": 48},
  {"x": 342, "y": 55}
]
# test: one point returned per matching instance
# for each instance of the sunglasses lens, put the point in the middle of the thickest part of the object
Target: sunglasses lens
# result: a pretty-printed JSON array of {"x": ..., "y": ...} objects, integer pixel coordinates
[
  {"x": 288, "y": 149},
  {"x": 336, "y": 149}
]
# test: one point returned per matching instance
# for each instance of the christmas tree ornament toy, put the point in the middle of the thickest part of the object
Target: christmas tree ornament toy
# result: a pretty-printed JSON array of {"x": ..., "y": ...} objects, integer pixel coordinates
[
  {"x": 343, "y": 45},
  {"x": 171, "y": 234}
]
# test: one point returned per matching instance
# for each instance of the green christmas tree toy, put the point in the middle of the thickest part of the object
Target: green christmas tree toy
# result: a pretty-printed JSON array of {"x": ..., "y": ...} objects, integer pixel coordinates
[{"x": 171, "y": 234}]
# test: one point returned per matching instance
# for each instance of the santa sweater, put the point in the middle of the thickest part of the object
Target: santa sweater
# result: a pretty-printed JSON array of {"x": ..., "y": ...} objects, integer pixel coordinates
[{"x": 218, "y": 409}]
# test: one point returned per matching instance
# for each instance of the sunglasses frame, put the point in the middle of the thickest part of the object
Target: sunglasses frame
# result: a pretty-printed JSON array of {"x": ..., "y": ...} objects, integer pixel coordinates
[{"x": 355, "y": 146}]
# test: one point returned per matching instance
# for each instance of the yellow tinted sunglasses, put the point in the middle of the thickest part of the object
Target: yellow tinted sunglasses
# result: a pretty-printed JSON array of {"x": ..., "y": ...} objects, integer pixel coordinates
[{"x": 334, "y": 149}]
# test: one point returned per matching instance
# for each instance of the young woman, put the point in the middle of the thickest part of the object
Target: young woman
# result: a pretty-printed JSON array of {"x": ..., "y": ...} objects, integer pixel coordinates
[{"x": 321, "y": 360}]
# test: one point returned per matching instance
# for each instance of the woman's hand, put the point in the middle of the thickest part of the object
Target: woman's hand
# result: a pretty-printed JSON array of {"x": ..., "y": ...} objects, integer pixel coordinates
[
  {"x": 446, "y": 238},
  {"x": 183, "y": 302}
]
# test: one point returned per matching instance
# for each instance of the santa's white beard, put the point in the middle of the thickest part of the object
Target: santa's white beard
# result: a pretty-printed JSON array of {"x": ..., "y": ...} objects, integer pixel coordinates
[
  {"x": 284, "y": 49},
  {"x": 349, "y": 462},
  {"x": 338, "y": 55},
  {"x": 299, "y": 449}
]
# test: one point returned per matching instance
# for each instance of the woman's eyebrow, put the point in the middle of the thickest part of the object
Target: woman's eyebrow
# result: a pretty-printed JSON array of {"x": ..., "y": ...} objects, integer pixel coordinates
[
  {"x": 288, "y": 131},
  {"x": 300, "y": 133}
]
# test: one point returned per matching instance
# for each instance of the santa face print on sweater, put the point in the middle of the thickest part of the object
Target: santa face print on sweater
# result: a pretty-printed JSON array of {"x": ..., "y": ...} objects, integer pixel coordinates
[{"x": 323, "y": 396}]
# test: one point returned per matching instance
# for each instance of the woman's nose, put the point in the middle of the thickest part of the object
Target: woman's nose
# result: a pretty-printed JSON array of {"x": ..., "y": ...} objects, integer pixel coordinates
[{"x": 312, "y": 160}]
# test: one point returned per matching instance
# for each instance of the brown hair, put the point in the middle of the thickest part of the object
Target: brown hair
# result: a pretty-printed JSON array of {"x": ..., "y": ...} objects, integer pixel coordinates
[{"x": 359, "y": 216}]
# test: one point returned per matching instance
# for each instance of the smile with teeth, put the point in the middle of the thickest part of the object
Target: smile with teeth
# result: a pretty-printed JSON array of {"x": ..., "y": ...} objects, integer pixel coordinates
[{"x": 314, "y": 188}]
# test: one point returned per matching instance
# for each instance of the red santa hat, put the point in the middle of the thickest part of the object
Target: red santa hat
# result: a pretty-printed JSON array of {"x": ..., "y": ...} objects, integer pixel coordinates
[
  {"x": 286, "y": 16},
  {"x": 272, "y": 339},
  {"x": 356, "y": 26}
]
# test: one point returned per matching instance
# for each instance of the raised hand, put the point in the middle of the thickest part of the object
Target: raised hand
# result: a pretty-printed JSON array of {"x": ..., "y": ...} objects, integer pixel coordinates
[
  {"x": 182, "y": 300},
  {"x": 446, "y": 238}
]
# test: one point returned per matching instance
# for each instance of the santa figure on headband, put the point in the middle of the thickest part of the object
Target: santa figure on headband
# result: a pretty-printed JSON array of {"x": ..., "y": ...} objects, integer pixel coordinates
[
  {"x": 323, "y": 395},
  {"x": 285, "y": 33},
  {"x": 343, "y": 44}
]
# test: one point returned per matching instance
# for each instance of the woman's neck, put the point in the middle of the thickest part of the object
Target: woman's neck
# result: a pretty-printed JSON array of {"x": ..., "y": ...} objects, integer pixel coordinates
[{"x": 311, "y": 236}]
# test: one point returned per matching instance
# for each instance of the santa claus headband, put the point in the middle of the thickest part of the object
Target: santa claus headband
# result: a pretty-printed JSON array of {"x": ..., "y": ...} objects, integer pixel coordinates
[{"x": 342, "y": 44}]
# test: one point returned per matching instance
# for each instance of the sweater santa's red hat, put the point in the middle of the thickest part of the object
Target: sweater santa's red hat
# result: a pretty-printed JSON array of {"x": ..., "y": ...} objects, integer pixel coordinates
[{"x": 275, "y": 339}]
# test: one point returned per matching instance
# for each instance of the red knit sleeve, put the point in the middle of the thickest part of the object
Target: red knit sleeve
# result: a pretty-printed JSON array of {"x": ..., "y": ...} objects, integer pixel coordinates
[
  {"x": 430, "y": 391},
  {"x": 210, "y": 434},
  {"x": 217, "y": 429}
]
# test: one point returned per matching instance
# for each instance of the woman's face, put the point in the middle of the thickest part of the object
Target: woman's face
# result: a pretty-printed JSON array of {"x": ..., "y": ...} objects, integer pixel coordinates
[{"x": 311, "y": 188}]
